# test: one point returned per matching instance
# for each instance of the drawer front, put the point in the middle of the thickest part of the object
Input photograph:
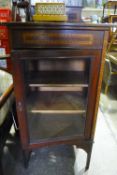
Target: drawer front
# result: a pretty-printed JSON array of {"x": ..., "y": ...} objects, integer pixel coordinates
[{"x": 57, "y": 39}]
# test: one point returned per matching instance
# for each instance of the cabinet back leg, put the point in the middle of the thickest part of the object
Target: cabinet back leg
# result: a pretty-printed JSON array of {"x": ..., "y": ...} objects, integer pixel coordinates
[
  {"x": 1, "y": 170},
  {"x": 26, "y": 157}
]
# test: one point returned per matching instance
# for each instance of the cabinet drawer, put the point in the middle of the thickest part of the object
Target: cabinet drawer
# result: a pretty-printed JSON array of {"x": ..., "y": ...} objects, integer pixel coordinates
[{"x": 33, "y": 38}]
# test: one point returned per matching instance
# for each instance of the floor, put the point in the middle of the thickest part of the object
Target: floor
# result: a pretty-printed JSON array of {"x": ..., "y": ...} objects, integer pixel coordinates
[{"x": 67, "y": 160}]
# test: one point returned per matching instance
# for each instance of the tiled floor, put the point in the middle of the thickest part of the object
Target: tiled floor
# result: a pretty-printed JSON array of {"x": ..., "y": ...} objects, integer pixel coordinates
[
  {"x": 60, "y": 160},
  {"x": 104, "y": 154}
]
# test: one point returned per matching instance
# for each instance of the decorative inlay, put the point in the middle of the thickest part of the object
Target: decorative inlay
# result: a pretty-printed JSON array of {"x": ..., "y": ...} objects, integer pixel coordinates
[{"x": 40, "y": 37}]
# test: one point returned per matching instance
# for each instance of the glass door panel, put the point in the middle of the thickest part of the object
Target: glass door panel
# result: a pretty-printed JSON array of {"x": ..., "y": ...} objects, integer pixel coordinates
[
  {"x": 55, "y": 101},
  {"x": 56, "y": 97},
  {"x": 43, "y": 127}
]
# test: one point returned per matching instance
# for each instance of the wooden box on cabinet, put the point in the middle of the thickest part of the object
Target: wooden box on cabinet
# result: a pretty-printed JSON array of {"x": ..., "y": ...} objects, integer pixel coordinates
[{"x": 57, "y": 71}]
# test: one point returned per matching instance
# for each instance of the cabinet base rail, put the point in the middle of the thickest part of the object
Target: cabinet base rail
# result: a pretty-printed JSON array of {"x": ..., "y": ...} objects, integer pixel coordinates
[{"x": 85, "y": 145}]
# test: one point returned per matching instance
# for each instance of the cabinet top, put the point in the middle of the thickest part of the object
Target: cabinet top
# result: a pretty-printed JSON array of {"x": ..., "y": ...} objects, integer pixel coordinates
[{"x": 101, "y": 26}]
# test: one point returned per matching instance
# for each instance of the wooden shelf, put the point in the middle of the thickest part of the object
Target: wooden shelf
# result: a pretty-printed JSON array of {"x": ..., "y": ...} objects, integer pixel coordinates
[
  {"x": 59, "y": 87},
  {"x": 55, "y": 102},
  {"x": 58, "y": 111}
]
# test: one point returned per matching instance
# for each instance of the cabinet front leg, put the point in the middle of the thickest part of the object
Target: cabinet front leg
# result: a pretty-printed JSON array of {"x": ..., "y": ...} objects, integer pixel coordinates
[
  {"x": 88, "y": 148},
  {"x": 89, "y": 151}
]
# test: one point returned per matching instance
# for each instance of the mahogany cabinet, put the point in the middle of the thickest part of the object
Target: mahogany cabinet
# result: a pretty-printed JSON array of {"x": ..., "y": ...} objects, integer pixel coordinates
[{"x": 57, "y": 71}]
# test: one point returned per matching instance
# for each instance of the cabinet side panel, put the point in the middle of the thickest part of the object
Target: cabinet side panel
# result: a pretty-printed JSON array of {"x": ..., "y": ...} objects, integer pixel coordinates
[
  {"x": 93, "y": 84},
  {"x": 99, "y": 82},
  {"x": 20, "y": 101}
]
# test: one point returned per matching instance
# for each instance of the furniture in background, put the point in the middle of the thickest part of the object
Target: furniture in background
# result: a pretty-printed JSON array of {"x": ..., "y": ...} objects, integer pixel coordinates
[
  {"x": 110, "y": 69},
  {"x": 57, "y": 72},
  {"x": 6, "y": 108},
  {"x": 110, "y": 72},
  {"x": 110, "y": 14},
  {"x": 112, "y": 45}
]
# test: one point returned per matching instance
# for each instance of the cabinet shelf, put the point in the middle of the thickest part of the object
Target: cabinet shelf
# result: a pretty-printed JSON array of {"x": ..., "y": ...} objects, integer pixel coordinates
[
  {"x": 59, "y": 111},
  {"x": 58, "y": 85},
  {"x": 56, "y": 102},
  {"x": 58, "y": 78}
]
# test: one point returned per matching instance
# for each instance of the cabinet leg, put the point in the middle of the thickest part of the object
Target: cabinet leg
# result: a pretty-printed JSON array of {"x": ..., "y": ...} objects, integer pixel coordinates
[
  {"x": 1, "y": 171},
  {"x": 89, "y": 151},
  {"x": 88, "y": 148},
  {"x": 26, "y": 156}
]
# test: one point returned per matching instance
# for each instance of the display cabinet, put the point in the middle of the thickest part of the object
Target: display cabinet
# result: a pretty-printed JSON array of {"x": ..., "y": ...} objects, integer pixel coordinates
[{"x": 57, "y": 71}]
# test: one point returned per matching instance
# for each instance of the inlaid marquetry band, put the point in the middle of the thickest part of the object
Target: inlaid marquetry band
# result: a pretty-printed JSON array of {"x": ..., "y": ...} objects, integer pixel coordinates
[{"x": 42, "y": 38}]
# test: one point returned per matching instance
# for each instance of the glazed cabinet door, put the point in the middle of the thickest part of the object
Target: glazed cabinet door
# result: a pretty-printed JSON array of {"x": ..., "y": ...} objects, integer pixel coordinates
[{"x": 55, "y": 97}]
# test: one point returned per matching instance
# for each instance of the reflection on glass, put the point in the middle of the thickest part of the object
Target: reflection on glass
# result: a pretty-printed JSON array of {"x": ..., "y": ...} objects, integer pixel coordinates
[
  {"x": 45, "y": 126},
  {"x": 56, "y": 97}
]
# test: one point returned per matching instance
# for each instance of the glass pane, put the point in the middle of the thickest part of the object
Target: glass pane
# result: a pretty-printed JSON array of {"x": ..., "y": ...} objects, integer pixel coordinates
[
  {"x": 55, "y": 101},
  {"x": 56, "y": 97},
  {"x": 57, "y": 72},
  {"x": 53, "y": 126}
]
